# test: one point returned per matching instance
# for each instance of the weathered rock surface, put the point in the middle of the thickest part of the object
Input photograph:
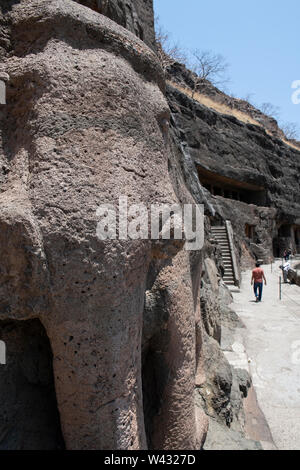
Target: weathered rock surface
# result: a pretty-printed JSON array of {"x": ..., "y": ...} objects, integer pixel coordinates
[
  {"x": 179, "y": 74},
  {"x": 134, "y": 15},
  {"x": 221, "y": 438},
  {"x": 294, "y": 276}
]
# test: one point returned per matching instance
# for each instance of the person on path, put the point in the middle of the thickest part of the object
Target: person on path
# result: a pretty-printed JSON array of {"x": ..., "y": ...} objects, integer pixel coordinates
[
  {"x": 285, "y": 269},
  {"x": 287, "y": 254},
  {"x": 258, "y": 276}
]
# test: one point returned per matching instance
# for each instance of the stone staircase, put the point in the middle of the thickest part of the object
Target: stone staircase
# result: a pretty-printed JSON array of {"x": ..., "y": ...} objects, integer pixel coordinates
[{"x": 221, "y": 236}]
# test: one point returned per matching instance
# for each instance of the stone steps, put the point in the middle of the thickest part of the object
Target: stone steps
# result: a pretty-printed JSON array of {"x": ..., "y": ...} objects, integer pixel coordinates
[{"x": 220, "y": 235}]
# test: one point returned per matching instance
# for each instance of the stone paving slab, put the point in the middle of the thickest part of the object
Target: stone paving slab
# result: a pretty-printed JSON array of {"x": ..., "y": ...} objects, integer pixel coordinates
[{"x": 272, "y": 347}]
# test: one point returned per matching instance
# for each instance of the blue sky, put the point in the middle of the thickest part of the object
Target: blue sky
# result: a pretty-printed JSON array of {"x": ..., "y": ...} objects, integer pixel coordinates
[{"x": 259, "y": 39}]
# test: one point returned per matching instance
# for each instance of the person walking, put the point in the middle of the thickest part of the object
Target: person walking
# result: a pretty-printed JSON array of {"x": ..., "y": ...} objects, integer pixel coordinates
[
  {"x": 287, "y": 254},
  {"x": 285, "y": 269},
  {"x": 258, "y": 276}
]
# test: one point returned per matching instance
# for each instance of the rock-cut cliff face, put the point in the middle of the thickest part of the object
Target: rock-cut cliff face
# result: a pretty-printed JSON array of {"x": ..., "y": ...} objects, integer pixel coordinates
[
  {"x": 249, "y": 175},
  {"x": 134, "y": 15}
]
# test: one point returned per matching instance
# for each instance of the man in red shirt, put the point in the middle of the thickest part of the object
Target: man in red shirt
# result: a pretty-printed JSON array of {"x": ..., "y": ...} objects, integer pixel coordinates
[{"x": 258, "y": 276}]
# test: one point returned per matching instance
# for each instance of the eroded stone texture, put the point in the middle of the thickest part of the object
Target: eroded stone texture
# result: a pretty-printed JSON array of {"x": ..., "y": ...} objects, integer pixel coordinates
[
  {"x": 134, "y": 15},
  {"x": 294, "y": 276},
  {"x": 171, "y": 350},
  {"x": 85, "y": 124},
  {"x": 210, "y": 303}
]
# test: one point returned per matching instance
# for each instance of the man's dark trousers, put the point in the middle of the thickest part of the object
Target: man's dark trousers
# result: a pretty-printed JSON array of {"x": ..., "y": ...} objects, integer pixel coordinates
[{"x": 258, "y": 287}]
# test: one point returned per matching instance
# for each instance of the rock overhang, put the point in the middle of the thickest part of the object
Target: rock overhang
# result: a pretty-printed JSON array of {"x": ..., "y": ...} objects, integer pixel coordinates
[{"x": 42, "y": 20}]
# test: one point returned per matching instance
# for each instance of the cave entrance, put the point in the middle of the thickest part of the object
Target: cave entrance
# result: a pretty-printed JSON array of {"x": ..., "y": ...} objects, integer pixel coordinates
[
  {"x": 250, "y": 231},
  {"x": 276, "y": 251},
  {"x": 284, "y": 231},
  {"x": 283, "y": 241},
  {"x": 230, "y": 188},
  {"x": 296, "y": 238},
  {"x": 29, "y": 415}
]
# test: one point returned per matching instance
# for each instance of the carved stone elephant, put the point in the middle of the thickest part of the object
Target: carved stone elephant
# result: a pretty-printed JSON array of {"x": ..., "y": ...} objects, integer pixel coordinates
[{"x": 84, "y": 124}]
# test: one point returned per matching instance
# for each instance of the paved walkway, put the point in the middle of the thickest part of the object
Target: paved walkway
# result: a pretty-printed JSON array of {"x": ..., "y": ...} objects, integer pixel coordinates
[{"x": 270, "y": 348}]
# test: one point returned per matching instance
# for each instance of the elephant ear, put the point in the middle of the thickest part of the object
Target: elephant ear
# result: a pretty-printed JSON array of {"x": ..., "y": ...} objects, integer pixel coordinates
[{"x": 23, "y": 267}]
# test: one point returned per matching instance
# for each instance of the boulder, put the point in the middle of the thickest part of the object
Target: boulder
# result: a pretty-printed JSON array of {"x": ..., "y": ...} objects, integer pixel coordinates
[{"x": 294, "y": 276}]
